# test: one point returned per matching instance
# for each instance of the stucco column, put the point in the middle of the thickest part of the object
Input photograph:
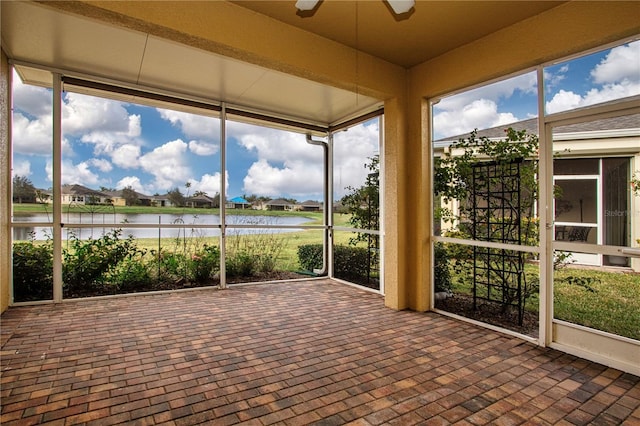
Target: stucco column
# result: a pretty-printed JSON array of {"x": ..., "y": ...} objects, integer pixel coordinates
[
  {"x": 393, "y": 212},
  {"x": 5, "y": 182}
]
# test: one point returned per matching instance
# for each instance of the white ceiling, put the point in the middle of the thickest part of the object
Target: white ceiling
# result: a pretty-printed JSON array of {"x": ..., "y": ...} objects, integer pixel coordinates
[{"x": 35, "y": 34}]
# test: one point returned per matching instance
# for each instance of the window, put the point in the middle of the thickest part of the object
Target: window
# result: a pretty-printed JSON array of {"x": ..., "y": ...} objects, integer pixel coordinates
[
  {"x": 588, "y": 156},
  {"x": 151, "y": 197}
]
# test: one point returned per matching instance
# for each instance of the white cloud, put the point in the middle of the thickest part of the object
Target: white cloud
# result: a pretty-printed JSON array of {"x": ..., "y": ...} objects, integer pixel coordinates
[
  {"x": 104, "y": 123},
  {"x": 622, "y": 63},
  {"x": 352, "y": 151},
  {"x": 32, "y": 100},
  {"x": 480, "y": 114},
  {"x": 478, "y": 108},
  {"x": 209, "y": 184},
  {"x": 32, "y": 124},
  {"x": 100, "y": 164},
  {"x": 167, "y": 164},
  {"x": 32, "y": 137},
  {"x": 133, "y": 182},
  {"x": 75, "y": 173},
  {"x": 21, "y": 168},
  {"x": 563, "y": 101},
  {"x": 275, "y": 145},
  {"x": 126, "y": 156},
  {"x": 192, "y": 125},
  {"x": 105, "y": 142},
  {"x": 504, "y": 89},
  {"x": 566, "y": 100},
  {"x": 286, "y": 164},
  {"x": 617, "y": 76},
  {"x": 552, "y": 80},
  {"x": 82, "y": 114},
  {"x": 202, "y": 148},
  {"x": 295, "y": 179}
]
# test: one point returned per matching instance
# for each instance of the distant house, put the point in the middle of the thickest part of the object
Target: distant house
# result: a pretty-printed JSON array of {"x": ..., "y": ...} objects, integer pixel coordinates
[
  {"x": 338, "y": 207},
  {"x": 238, "y": 203},
  {"x": 199, "y": 201},
  {"x": 118, "y": 198},
  {"x": 592, "y": 167},
  {"x": 161, "y": 200},
  {"x": 280, "y": 204},
  {"x": 44, "y": 196},
  {"x": 310, "y": 206},
  {"x": 78, "y": 194}
]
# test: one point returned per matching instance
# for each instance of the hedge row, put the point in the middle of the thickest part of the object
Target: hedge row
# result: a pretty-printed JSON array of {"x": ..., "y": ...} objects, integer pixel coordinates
[{"x": 354, "y": 264}]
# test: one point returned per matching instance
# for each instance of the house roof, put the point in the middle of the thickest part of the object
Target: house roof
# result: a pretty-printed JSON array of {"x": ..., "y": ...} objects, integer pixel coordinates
[
  {"x": 202, "y": 198},
  {"x": 118, "y": 193},
  {"x": 279, "y": 202},
  {"x": 531, "y": 126},
  {"x": 310, "y": 203},
  {"x": 76, "y": 189},
  {"x": 238, "y": 200}
]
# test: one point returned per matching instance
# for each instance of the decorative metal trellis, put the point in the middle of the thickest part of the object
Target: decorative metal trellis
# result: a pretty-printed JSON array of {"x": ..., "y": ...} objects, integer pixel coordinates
[{"x": 496, "y": 213}]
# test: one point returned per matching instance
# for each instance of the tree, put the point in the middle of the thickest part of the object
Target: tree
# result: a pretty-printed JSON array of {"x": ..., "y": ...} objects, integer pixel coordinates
[
  {"x": 130, "y": 196},
  {"x": 216, "y": 201},
  {"x": 23, "y": 190},
  {"x": 495, "y": 185},
  {"x": 453, "y": 177},
  {"x": 176, "y": 198},
  {"x": 364, "y": 203}
]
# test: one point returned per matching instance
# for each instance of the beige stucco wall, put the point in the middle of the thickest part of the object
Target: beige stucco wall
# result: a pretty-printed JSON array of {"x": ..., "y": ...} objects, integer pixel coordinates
[
  {"x": 567, "y": 29},
  {"x": 5, "y": 179}
]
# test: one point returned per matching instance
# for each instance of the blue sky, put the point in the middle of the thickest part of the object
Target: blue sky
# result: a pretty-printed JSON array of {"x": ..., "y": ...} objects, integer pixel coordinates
[
  {"x": 603, "y": 76},
  {"x": 116, "y": 144}
]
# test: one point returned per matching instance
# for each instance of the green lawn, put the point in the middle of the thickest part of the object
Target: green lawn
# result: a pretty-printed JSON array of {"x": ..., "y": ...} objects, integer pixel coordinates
[
  {"x": 290, "y": 241},
  {"x": 606, "y": 301},
  {"x": 603, "y": 300}
]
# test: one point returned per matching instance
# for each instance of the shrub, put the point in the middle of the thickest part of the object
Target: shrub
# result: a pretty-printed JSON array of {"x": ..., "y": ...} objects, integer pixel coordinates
[
  {"x": 310, "y": 256},
  {"x": 88, "y": 263},
  {"x": 204, "y": 264},
  {"x": 32, "y": 271},
  {"x": 349, "y": 263},
  {"x": 132, "y": 274},
  {"x": 167, "y": 266},
  {"x": 441, "y": 273},
  {"x": 252, "y": 252},
  {"x": 241, "y": 264}
]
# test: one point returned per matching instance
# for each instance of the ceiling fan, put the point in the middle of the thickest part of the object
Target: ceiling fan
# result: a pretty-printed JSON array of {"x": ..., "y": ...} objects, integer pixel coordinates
[{"x": 399, "y": 6}]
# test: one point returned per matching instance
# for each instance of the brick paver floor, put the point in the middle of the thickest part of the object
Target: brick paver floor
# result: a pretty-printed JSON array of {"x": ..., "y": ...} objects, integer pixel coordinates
[{"x": 288, "y": 353}]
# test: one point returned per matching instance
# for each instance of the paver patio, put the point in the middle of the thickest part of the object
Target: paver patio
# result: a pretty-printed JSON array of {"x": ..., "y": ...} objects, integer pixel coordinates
[{"x": 288, "y": 353}]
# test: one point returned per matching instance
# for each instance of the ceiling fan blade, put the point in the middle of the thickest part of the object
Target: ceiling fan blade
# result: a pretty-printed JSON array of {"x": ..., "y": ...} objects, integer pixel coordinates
[{"x": 306, "y": 4}]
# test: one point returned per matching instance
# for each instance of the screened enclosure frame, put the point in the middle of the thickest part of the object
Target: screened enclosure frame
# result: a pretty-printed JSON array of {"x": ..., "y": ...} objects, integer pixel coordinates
[
  {"x": 568, "y": 337},
  {"x": 65, "y": 81}
]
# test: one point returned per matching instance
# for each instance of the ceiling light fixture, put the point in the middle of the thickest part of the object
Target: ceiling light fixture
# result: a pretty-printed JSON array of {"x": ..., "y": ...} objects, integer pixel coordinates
[
  {"x": 306, "y": 4},
  {"x": 399, "y": 6}
]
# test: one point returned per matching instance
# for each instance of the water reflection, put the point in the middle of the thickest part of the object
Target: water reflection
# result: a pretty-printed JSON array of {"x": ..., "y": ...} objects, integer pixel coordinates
[{"x": 105, "y": 224}]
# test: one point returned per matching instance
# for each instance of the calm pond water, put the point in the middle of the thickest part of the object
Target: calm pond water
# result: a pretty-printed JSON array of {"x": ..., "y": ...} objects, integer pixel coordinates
[{"x": 104, "y": 223}]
